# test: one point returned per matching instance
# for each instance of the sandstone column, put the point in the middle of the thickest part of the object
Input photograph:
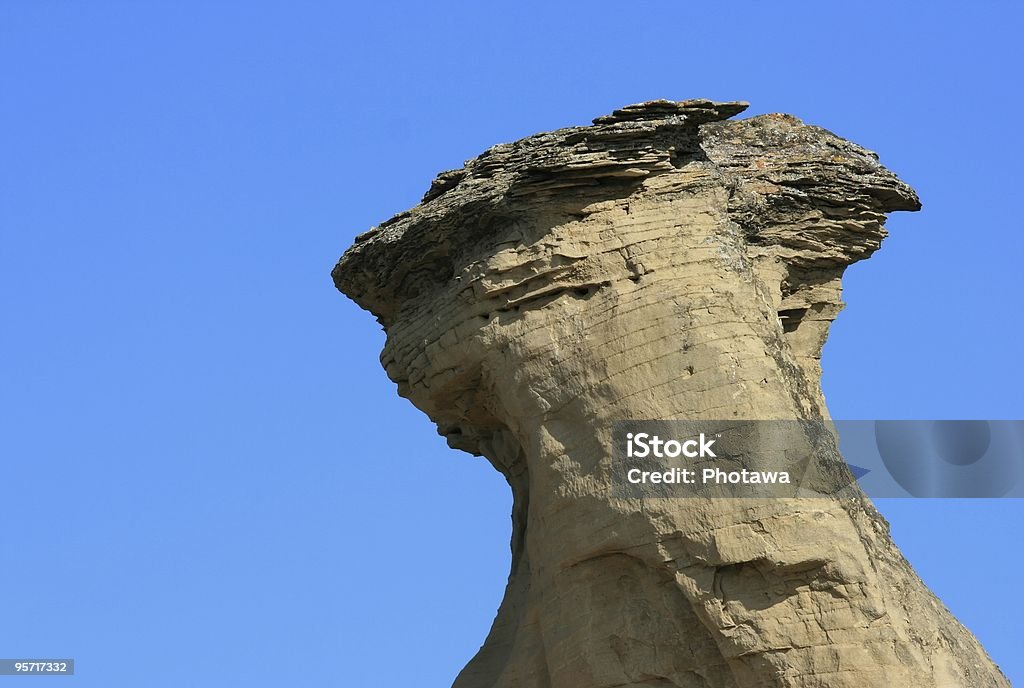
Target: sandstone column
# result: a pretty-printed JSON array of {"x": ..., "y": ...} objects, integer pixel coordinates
[{"x": 664, "y": 263}]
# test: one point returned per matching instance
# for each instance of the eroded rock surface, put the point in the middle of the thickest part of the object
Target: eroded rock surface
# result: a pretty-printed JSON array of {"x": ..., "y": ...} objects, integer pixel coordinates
[{"x": 666, "y": 262}]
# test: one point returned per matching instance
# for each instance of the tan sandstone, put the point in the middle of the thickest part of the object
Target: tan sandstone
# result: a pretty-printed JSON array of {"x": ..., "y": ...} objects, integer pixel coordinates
[{"x": 664, "y": 263}]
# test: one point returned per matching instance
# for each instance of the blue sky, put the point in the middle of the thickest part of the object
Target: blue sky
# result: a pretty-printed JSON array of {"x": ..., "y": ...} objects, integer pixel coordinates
[{"x": 206, "y": 479}]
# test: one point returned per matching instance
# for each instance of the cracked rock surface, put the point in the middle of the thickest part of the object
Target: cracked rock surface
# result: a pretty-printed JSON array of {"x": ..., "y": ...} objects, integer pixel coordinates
[{"x": 666, "y": 262}]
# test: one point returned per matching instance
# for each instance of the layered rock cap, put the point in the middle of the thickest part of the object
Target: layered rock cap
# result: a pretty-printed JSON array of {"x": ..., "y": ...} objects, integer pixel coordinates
[{"x": 664, "y": 263}]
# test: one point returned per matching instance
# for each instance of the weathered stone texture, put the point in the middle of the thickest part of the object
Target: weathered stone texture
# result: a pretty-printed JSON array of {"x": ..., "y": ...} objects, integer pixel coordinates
[{"x": 665, "y": 262}]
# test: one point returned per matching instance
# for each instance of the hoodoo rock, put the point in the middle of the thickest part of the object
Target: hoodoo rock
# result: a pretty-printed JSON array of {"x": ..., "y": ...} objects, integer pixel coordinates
[{"x": 664, "y": 263}]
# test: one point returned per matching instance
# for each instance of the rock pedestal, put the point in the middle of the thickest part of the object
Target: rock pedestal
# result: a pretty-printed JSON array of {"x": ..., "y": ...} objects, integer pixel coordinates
[{"x": 664, "y": 263}]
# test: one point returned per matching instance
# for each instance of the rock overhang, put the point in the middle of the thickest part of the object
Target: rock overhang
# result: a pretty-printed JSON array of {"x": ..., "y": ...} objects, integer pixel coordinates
[{"x": 771, "y": 165}]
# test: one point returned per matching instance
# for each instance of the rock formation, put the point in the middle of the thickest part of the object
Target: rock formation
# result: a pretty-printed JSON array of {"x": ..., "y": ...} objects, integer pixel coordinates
[{"x": 666, "y": 262}]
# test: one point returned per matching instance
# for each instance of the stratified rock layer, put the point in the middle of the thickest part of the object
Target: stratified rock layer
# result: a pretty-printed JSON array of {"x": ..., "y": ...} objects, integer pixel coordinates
[{"x": 663, "y": 263}]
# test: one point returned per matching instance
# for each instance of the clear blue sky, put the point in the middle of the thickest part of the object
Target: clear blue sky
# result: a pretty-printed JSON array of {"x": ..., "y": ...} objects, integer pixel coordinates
[{"x": 206, "y": 479}]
